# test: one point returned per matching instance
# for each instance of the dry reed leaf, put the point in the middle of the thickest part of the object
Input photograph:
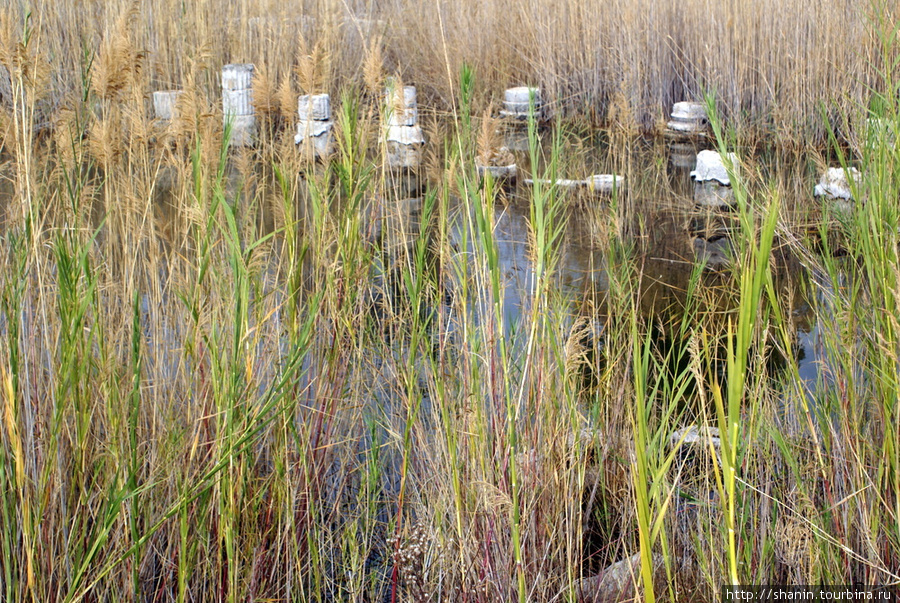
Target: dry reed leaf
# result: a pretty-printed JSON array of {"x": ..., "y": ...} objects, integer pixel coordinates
[
  {"x": 244, "y": 164},
  {"x": 7, "y": 129},
  {"x": 621, "y": 114},
  {"x": 191, "y": 107},
  {"x": 432, "y": 155},
  {"x": 395, "y": 97},
  {"x": 21, "y": 63},
  {"x": 793, "y": 539},
  {"x": 182, "y": 121}
]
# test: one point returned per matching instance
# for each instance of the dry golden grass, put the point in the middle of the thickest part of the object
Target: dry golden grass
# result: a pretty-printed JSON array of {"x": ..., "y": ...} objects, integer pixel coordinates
[{"x": 771, "y": 63}]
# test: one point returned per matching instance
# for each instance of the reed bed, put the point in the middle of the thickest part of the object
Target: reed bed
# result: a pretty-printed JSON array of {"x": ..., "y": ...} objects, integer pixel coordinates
[
  {"x": 772, "y": 64},
  {"x": 231, "y": 374}
]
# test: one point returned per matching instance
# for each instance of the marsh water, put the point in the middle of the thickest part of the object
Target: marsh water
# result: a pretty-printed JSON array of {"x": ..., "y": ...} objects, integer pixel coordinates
[{"x": 668, "y": 235}]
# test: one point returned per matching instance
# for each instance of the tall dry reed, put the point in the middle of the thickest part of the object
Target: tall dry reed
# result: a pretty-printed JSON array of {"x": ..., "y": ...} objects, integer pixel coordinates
[{"x": 771, "y": 64}]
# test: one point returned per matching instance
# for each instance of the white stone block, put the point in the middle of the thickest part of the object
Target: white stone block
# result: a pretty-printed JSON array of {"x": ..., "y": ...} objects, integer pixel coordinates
[
  {"x": 408, "y": 135},
  {"x": 522, "y": 95},
  {"x": 710, "y": 166},
  {"x": 165, "y": 103},
  {"x": 314, "y": 128},
  {"x": 517, "y": 102},
  {"x": 237, "y": 76},
  {"x": 617, "y": 582},
  {"x": 403, "y": 155},
  {"x": 404, "y": 146},
  {"x": 689, "y": 111},
  {"x": 688, "y": 119},
  {"x": 562, "y": 183},
  {"x": 605, "y": 184},
  {"x": 315, "y": 138},
  {"x": 519, "y": 110},
  {"x": 237, "y": 102},
  {"x": 835, "y": 185},
  {"x": 686, "y": 127},
  {"x": 600, "y": 184},
  {"x": 696, "y": 435},
  {"x": 243, "y": 130},
  {"x": 314, "y": 107},
  {"x": 402, "y": 106}
]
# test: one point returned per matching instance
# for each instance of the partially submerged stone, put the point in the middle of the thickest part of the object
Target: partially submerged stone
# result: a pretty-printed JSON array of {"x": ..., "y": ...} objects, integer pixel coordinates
[
  {"x": 712, "y": 195},
  {"x": 688, "y": 119},
  {"x": 402, "y": 107},
  {"x": 498, "y": 172},
  {"x": 315, "y": 138},
  {"x": 715, "y": 254},
  {"x": 500, "y": 163},
  {"x": 605, "y": 184},
  {"x": 404, "y": 146},
  {"x": 601, "y": 184},
  {"x": 517, "y": 102},
  {"x": 711, "y": 166},
  {"x": 558, "y": 183},
  {"x": 314, "y": 107},
  {"x": 693, "y": 445},
  {"x": 712, "y": 186},
  {"x": 835, "y": 184}
]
